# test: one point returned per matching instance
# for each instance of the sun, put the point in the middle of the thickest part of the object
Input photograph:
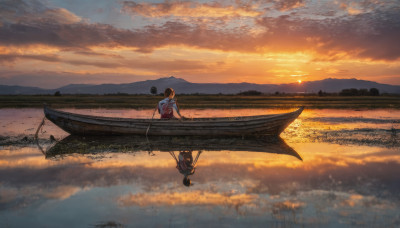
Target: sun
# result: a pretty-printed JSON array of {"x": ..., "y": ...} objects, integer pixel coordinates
[{"x": 299, "y": 81}]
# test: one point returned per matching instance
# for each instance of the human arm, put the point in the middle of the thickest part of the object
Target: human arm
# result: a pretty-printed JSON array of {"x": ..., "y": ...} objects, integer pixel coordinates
[{"x": 175, "y": 106}]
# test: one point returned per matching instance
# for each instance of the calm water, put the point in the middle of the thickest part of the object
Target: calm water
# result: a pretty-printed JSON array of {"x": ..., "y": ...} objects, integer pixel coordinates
[{"x": 349, "y": 175}]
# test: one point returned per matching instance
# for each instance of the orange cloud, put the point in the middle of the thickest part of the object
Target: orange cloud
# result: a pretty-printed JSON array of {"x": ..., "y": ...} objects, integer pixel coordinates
[
  {"x": 287, "y": 5},
  {"x": 12, "y": 58},
  {"x": 32, "y": 158},
  {"x": 188, "y": 9},
  {"x": 187, "y": 198}
]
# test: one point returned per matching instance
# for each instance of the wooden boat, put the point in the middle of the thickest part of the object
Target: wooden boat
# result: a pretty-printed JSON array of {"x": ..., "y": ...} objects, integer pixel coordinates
[
  {"x": 131, "y": 144},
  {"x": 77, "y": 124}
]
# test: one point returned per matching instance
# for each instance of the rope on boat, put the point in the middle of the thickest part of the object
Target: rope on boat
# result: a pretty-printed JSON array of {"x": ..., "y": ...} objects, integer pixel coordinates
[
  {"x": 148, "y": 128},
  {"x": 36, "y": 138},
  {"x": 40, "y": 147},
  {"x": 40, "y": 127}
]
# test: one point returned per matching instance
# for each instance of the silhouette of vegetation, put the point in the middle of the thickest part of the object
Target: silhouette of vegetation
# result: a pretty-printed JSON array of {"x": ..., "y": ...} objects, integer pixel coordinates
[
  {"x": 349, "y": 92},
  {"x": 153, "y": 90},
  {"x": 202, "y": 101},
  {"x": 321, "y": 93},
  {"x": 116, "y": 94},
  {"x": 250, "y": 93},
  {"x": 57, "y": 94},
  {"x": 374, "y": 92},
  {"x": 360, "y": 92},
  {"x": 363, "y": 92},
  {"x": 109, "y": 224}
]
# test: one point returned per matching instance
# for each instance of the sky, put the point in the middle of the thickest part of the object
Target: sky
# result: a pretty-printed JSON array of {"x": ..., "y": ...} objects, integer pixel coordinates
[{"x": 52, "y": 43}]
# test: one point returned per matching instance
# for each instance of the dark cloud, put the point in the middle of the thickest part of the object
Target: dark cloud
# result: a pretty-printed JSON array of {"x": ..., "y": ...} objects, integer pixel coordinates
[
  {"x": 79, "y": 36},
  {"x": 34, "y": 11}
]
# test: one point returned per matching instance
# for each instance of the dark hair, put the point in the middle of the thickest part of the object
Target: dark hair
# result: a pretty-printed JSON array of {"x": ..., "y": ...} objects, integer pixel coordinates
[
  {"x": 168, "y": 92},
  {"x": 186, "y": 181}
]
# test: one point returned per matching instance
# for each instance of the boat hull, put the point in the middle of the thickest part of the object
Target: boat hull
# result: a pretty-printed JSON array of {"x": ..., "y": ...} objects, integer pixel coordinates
[
  {"x": 77, "y": 124},
  {"x": 131, "y": 144}
]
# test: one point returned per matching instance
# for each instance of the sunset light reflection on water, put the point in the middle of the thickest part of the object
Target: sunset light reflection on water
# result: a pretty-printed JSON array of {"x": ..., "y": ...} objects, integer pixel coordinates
[{"x": 348, "y": 177}]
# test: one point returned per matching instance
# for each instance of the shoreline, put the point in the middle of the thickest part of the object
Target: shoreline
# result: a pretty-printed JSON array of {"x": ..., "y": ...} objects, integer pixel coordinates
[{"x": 201, "y": 101}]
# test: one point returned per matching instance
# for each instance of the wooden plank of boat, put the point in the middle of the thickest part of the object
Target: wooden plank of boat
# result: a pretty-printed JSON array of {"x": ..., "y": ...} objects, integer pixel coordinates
[
  {"x": 78, "y": 124},
  {"x": 127, "y": 144}
]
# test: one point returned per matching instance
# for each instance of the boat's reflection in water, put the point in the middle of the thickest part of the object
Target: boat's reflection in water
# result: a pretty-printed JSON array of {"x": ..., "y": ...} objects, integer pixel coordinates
[{"x": 181, "y": 149}]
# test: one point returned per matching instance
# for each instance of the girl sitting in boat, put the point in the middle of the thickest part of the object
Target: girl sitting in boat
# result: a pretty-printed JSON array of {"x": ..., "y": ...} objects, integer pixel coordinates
[{"x": 166, "y": 106}]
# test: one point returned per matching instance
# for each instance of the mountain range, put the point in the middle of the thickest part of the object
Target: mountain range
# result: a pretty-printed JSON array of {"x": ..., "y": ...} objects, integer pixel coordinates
[{"x": 182, "y": 86}]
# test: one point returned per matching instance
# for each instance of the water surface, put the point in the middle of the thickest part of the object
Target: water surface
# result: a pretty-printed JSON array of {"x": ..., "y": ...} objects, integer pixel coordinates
[{"x": 348, "y": 175}]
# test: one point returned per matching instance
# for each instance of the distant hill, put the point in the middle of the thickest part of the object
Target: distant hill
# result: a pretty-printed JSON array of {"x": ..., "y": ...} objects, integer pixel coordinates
[
  {"x": 11, "y": 90},
  {"x": 330, "y": 85}
]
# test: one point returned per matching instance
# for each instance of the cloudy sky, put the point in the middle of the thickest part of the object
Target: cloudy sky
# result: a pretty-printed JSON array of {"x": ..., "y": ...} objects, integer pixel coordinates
[{"x": 51, "y": 43}]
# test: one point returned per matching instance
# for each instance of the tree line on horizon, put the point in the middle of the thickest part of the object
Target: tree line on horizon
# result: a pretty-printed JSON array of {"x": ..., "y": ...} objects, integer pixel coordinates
[{"x": 344, "y": 92}]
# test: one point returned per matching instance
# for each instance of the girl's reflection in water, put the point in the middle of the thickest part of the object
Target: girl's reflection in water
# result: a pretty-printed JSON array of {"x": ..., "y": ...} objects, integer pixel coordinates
[{"x": 185, "y": 164}]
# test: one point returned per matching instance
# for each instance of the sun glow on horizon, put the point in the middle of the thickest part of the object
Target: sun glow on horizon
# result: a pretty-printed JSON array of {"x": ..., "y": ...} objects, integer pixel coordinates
[{"x": 299, "y": 81}]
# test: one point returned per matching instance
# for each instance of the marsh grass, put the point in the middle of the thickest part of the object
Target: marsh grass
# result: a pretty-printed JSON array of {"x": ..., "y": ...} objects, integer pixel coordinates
[{"x": 200, "y": 101}]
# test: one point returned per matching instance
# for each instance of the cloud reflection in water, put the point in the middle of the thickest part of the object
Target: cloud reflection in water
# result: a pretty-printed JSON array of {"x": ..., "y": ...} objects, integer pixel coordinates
[{"x": 335, "y": 185}]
